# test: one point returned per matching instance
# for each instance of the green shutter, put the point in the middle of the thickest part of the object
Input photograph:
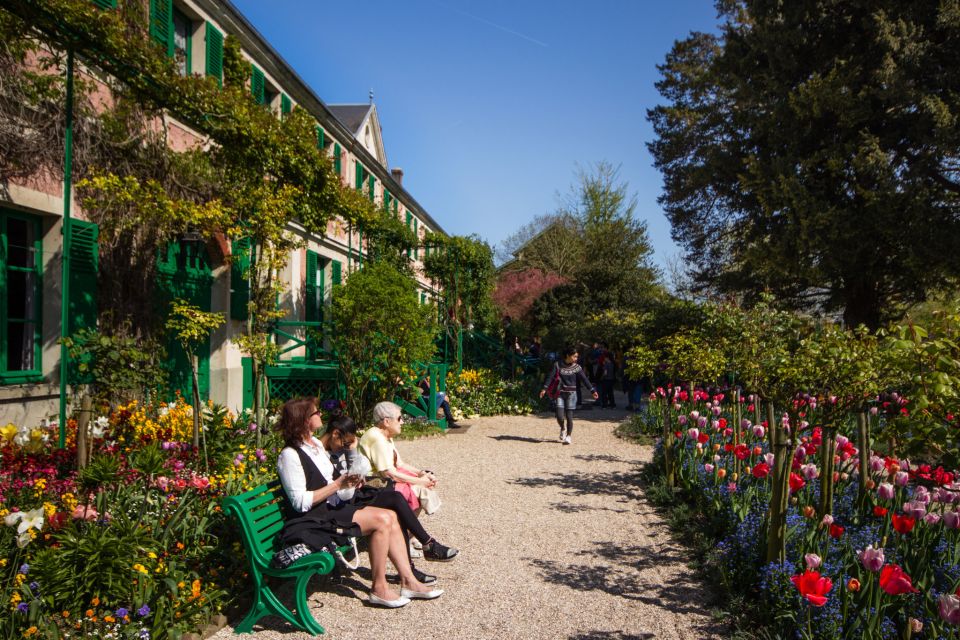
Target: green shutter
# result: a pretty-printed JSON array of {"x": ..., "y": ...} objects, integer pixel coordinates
[
  {"x": 258, "y": 84},
  {"x": 84, "y": 262},
  {"x": 239, "y": 279},
  {"x": 416, "y": 242},
  {"x": 370, "y": 183},
  {"x": 106, "y": 4},
  {"x": 359, "y": 174},
  {"x": 386, "y": 200},
  {"x": 311, "y": 307},
  {"x": 285, "y": 105},
  {"x": 214, "y": 53},
  {"x": 337, "y": 164},
  {"x": 320, "y": 140},
  {"x": 409, "y": 221},
  {"x": 336, "y": 275},
  {"x": 161, "y": 24}
]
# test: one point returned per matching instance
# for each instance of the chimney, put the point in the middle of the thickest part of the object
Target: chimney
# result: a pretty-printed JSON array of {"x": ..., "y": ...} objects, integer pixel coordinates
[{"x": 397, "y": 174}]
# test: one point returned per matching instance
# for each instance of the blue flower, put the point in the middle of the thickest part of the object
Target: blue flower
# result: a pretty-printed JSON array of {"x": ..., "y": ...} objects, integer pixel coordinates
[
  {"x": 24, "y": 568},
  {"x": 144, "y": 633},
  {"x": 34, "y": 587},
  {"x": 22, "y": 607},
  {"x": 143, "y": 611},
  {"x": 122, "y": 613}
]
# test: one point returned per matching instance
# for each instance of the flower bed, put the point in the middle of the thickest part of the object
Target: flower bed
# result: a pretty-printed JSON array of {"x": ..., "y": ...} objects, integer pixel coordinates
[
  {"x": 134, "y": 545},
  {"x": 883, "y": 562},
  {"x": 481, "y": 392}
]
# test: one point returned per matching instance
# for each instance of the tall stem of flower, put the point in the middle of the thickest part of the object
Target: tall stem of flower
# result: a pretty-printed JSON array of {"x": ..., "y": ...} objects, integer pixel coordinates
[
  {"x": 667, "y": 445},
  {"x": 827, "y": 453},
  {"x": 863, "y": 443},
  {"x": 736, "y": 428}
]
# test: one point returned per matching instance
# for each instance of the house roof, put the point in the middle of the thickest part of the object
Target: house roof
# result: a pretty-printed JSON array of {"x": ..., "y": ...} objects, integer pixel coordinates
[{"x": 351, "y": 116}]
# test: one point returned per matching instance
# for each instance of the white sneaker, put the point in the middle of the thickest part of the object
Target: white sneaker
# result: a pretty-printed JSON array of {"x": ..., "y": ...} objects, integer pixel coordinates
[
  {"x": 567, "y": 440},
  {"x": 416, "y": 543},
  {"x": 414, "y": 552},
  {"x": 563, "y": 435}
]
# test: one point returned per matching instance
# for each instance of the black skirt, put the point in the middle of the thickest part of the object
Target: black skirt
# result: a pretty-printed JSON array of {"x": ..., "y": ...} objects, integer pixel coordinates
[{"x": 322, "y": 526}]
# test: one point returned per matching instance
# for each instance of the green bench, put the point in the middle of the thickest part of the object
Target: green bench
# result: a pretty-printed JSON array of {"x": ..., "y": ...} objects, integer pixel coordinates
[{"x": 260, "y": 513}]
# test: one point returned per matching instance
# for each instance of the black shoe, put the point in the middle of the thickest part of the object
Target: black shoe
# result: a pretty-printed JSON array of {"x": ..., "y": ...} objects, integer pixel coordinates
[
  {"x": 433, "y": 550},
  {"x": 453, "y": 425},
  {"x": 423, "y": 578}
]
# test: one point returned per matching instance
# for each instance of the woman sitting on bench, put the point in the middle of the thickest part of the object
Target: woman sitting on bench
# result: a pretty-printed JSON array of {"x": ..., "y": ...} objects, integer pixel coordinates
[{"x": 318, "y": 513}]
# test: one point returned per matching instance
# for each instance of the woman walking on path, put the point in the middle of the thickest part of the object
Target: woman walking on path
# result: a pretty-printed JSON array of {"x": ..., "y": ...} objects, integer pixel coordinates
[{"x": 566, "y": 376}]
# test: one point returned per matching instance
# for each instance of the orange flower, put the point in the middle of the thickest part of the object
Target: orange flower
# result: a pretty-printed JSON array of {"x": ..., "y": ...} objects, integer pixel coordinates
[
  {"x": 89, "y": 613},
  {"x": 95, "y": 602},
  {"x": 853, "y": 585}
]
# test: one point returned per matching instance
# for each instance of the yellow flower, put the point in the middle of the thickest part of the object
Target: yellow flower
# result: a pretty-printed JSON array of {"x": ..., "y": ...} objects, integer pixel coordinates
[
  {"x": 7, "y": 432},
  {"x": 15, "y": 598},
  {"x": 152, "y": 555},
  {"x": 49, "y": 509},
  {"x": 18, "y": 579},
  {"x": 139, "y": 567},
  {"x": 30, "y": 631}
]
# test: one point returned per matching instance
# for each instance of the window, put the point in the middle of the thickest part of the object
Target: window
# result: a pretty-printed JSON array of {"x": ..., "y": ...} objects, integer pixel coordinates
[
  {"x": 214, "y": 48},
  {"x": 20, "y": 297},
  {"x": 182, "y": 30}
]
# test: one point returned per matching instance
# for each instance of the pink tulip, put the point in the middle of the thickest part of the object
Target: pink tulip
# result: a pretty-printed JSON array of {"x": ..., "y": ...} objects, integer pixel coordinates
[
  {"x": 162, "y": 482},
  {"x": 84, "y": 512},
  {"x": 951, "y": 519},
  {"x": 812, "y": 561},
  {"x": 827, "y": 520},
  {"x": 727, "y": 432},
  {"x": 732, "y": 487},
  {"x": 922, "y": 495},
  {"x": 758, "y": 431},
  {"x": 716, "y": 411},
  {"x": 694, "y": 415},
  {"x": 949, "y": 606},
  {"x": 682, "y": 420},
  {"x": 769, "y": 459},
  {"x": 886, "y": 491},
  {"x": 716, "y": 425},
  {"x": 744, "y": 424},
  {"x": 873, "y": 411},
  {"x": 693, "y": 433},
  {"x": 876, "y": 464},
  {"x": 809, "y": 471},
  {"x": 915, "y": 510},
  {"x": 901, "y": 478},
  {"x": 702, "y": 422},
  {"x": 871, "y": 558},
  {"x": 842, "y": 442},
  {"x": 931, "y": 518},
  {"x": 708, "y": 468}
]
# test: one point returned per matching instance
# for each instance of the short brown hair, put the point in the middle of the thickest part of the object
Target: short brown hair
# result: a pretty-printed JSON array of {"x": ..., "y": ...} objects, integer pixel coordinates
[{"x": 295, "y": 417}]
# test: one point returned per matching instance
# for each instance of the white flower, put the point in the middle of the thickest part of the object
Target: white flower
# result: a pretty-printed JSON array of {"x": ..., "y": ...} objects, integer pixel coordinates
[
  {"x": 31, "y": 520},
  {"x": 23, "y": 540},
  {"x": 99, "y": 426},
  {"x": 164, "y": 411},
  {"x": 13, "y": 518}
]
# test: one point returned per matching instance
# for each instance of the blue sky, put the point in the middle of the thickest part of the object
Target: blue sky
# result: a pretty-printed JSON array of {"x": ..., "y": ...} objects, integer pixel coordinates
[{"x": 490, "y": 106}]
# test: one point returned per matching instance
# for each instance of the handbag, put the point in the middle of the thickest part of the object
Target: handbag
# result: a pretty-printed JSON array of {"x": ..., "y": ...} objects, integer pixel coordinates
[{"x": 553, "y": 389}]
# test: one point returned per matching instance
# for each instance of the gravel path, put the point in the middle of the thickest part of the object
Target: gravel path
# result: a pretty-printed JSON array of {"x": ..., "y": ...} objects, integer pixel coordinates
[{"x": 556, "y": 542}]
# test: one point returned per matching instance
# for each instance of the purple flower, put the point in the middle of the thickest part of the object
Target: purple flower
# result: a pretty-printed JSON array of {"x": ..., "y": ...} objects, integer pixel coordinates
[
  {"x": 22, "y": 607},
  {"x": 885, "y": 491},
  {"x": 143, "y": 611},
  {"x": 24, "y": 568},
  {"x": 931, "y": 518},
  {"x": 871, "y": 558},
  {"x": 901, "y": 478},
  {"x": 122, "y": 613},
  {"x": 951, "y": 519},
  {"x": 34, "y": 587},
  {"x": 914, "y": 509},
  {"x": 812, "y": 561},
  {"x": 144, "y": 634}
]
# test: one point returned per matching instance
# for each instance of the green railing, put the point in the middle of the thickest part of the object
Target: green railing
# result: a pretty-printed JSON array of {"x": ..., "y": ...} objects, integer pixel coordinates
[{"x": 426, "y": 406}]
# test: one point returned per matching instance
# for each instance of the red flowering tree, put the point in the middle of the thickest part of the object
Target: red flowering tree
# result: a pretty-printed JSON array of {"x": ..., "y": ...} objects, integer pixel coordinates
[{"x": 517, "y": 290}]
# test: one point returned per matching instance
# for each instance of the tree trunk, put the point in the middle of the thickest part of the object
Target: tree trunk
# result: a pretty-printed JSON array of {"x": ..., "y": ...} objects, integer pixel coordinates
[
  {"x": 827, "y": 452},
  {"x": 863, "y": 443},
  {"x": 862, "y": 304},
  {"x": 668, "y": 445},
  {"x": 83, "y": 428},
  {"x": 195, "y": 383},
  {"x": 777, "y": 513},
  {"x": 737, "y": 431}
]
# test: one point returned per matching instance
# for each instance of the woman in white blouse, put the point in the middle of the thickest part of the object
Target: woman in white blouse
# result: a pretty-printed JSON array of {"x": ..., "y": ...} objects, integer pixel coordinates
[{"x": 316, "y": 513}]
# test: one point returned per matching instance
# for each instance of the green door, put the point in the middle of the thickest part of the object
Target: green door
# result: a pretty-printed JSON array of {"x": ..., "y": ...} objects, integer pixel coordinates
[{"x": 184, "y": 272}]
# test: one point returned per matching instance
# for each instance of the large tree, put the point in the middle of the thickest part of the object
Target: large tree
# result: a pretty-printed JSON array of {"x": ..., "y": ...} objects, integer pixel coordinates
[
  {"x": 615, "y": 271},
  {"x": 811, "y": 149}
]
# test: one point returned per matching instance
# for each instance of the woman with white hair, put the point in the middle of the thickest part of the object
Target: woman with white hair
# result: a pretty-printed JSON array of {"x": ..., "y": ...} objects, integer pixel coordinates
[{"x": 415, "y": 485}]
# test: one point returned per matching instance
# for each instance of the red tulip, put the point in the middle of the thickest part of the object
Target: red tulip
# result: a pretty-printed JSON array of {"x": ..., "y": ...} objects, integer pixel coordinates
[
  {"x": 903, "y": 524},
  {"x": 812, "y": 587},
  {"x": 879, "y": 511},
  {"x": 836, "y": 531},
  {"x": 894, "y": 581},
  {"x": 796, "y": 482},
  {"x": 703, "y": 438},
  {"x": 762, "y": 470},
  {"x": 741, "y": 451}
]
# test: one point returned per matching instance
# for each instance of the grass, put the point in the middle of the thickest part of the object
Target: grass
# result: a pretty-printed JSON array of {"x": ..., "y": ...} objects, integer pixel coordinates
[{"x": 418, "y": 429}]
